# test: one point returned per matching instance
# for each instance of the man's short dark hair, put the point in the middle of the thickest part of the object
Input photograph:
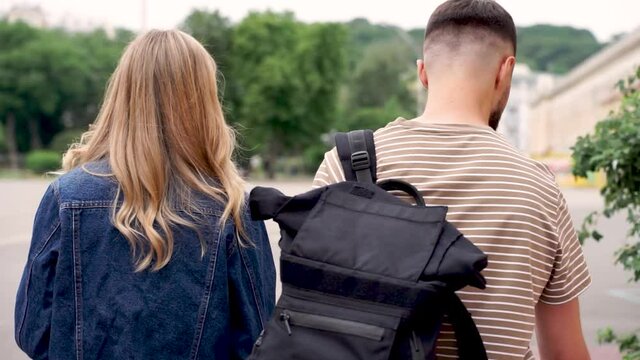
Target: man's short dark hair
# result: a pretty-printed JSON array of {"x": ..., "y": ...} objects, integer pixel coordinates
[{"x": 457, "y": 16}]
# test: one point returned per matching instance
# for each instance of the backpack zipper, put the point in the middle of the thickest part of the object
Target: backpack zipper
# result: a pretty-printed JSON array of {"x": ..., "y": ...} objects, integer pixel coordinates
[
  {"x": 326, "y": 323},
  {"x": 376, "y": 308},
  {"x": 417, "y": 349},
  {"x": 285, "y": 317}
]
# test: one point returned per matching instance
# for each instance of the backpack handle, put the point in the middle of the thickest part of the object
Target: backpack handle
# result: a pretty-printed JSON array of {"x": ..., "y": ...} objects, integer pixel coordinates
[{"x": 398, "y": 185}]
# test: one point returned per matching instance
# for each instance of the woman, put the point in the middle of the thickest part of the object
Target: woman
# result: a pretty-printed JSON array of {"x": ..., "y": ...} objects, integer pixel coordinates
[{"x": 144, "y": 248}]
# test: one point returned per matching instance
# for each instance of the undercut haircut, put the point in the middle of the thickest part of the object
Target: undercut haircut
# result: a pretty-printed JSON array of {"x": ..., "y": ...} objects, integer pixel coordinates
[{"x": 456, "y": 19}]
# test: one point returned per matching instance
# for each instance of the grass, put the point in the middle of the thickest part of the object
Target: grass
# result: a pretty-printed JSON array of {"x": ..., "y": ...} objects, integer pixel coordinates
[{"x": 16, "y": 174}]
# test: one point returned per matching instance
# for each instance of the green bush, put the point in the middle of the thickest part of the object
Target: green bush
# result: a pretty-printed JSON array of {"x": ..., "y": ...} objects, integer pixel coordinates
[
  {"x": 614, "y": 148},
  {"x": 42, "y": 161},
  {"x": 63, "y": 140},
  {"x": 313, "y": 156}
]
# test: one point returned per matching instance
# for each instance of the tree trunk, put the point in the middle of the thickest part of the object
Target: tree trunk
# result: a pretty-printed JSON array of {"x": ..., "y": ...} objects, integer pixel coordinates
[
  {"x": 12, "y": 143},
  {"x": 270, "y": 166},
  {"x": 34, "y": 131},
  {"x": 273, "y": 150}
]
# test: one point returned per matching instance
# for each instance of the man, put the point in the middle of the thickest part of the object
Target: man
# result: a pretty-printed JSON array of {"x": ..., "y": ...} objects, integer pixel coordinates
[{"x": 506, "y": 203}]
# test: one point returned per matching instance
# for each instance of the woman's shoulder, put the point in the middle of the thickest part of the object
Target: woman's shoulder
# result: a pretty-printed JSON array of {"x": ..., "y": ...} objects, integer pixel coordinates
[{"x": 89, "y": 183}]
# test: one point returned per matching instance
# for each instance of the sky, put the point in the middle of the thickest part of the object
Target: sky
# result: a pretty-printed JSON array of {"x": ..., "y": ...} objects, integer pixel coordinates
[{"x": 604, "y": 18}]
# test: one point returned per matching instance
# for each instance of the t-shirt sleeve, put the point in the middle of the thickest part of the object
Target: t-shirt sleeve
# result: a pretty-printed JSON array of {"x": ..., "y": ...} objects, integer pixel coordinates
[
  {"x": 570, "y": 275},
  {"x": 330, "y": 171}
]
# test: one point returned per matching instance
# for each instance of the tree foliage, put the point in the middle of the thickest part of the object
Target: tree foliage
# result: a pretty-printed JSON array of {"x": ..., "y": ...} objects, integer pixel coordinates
[
  {"x": 214, "y": 31},
  {"x": 51, "y": 80},
  {"x": 287, "y": 75},
  {"x": 283, "y": 83},
  {"x": 362, "y": 34},
  {"x": 386, "y": 73},
  {"x": 614, "y": 148},
  {"x": 381, "y": 75},
  {"x": 555, "y": 49},
  {"x": 629, "y": 344}
]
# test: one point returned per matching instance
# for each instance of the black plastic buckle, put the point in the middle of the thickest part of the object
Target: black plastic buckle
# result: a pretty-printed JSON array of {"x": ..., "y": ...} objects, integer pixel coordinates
[{"x": 360, "y": 160}]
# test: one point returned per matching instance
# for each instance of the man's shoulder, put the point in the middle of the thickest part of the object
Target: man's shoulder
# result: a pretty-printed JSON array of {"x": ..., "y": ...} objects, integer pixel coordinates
[
  {"x": 542, "y": 168},
  {"x": 537, "y": 167},
  {"x": 469, "y": 146},
  {"x": 396, "y": 125}
]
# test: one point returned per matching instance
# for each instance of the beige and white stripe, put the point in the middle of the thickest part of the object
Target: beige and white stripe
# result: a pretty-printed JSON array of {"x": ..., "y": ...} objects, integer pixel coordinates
[{"x": 507, "y": 204}]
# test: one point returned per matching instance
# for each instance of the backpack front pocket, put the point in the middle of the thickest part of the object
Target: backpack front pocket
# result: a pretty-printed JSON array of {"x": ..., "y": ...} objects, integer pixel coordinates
[
  {"x": 318, "y": 322},
  {"x": 308, "y": 330}
]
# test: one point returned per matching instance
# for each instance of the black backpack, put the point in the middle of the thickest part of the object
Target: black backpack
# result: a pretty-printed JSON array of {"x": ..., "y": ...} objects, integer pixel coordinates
[{"x": 365, "y": 275}]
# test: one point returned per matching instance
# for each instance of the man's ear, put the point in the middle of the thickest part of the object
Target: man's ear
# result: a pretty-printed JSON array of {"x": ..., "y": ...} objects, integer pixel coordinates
[
  {"x": 505, "y": 72},
  {"x": 422, "y": 73}
]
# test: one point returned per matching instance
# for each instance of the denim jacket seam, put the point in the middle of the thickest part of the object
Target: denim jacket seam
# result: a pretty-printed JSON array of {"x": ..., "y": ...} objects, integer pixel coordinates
[
  {"x": 56, "y": 190},
  {"x": 207, "y": 297},
  {"x": 86, "y": 204},
  {"x": 75, "y": 204},
  {"x": 26, "y": 305},
  {"x": 256, "y": 296},
  {"x": 77, "y": 273}
]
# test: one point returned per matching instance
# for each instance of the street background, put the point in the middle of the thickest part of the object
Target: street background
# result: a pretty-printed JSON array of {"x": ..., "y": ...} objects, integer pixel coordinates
[
  {"x": 292, "y": 73},
  {"x": 610, "y": 301}
]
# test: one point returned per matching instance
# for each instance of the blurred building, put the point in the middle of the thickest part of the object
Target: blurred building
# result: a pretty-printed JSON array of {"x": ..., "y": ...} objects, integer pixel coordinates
[
  {"x": 76, "y": 24},
  {"x": 514, "y": 124},
  {"x": 32, "y": 15},
  {"x": 577, "y": 101},
  {"x": 37, "y": 17}
]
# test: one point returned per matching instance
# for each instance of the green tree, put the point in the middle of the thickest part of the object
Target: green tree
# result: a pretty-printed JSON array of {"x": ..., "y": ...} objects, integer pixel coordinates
[
  {"x": 555, "y": 49},
  {"x": 13, "y": 35},
  {"x": 40, "y": 80},
  {"x": 215, "y": 32},
  {"x": 614, "y": 148},
  {"x": 287, "y": 75},
  {"x": 100, "y": 53},
  {"x": 374, "y": 117},
  {"x": 268, "y": 87},
  {"x": 362, "y": 34},
  {"x": 51, "y": 80},
  {"x": 386, "y": 73},
  {"x": 417, "y": 36},
  {"x": 321, "y": 63}
]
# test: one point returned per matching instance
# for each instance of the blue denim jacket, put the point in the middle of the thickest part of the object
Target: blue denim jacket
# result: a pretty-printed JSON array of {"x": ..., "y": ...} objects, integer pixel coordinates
[{"x": 80, "y": 298}]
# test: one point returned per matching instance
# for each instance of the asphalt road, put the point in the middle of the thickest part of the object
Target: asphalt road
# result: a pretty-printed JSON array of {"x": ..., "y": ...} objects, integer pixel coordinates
[{"x": 610, "y": 301}]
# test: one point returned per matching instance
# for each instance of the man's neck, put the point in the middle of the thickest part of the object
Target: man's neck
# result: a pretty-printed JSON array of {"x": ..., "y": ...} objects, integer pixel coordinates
[
  {"x": 453, "y": 117},
  {"x": 446, "y": 119},
  {"x": 456, "y": 105}
]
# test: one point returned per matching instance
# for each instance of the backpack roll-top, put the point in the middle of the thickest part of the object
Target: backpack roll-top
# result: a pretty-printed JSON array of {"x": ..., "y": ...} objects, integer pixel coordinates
[{"x": 366, "y": 275}]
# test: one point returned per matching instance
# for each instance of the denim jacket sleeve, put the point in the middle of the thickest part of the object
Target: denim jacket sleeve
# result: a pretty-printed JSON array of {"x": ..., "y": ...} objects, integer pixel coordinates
[
  {"x": 35, "y": 293},
  {"x": 251, "y": 288}
]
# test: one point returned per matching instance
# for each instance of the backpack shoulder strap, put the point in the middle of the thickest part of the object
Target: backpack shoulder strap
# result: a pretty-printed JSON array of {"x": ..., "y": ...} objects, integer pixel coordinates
[
  {"x": 357, "y": 153},
  {"x": 470, "y": 345}
]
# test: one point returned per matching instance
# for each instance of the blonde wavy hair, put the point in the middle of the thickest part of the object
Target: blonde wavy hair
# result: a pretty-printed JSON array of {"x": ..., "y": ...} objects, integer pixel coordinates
[{"x": 161, "y": 128}]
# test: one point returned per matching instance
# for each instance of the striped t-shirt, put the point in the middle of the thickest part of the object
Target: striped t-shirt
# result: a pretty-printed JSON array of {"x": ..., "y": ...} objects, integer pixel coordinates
[{"x": 507, "y": 204}]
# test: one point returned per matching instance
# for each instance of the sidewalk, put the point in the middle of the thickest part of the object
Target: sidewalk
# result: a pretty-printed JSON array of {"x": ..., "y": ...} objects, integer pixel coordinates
[{"x": 599, "y": 352}]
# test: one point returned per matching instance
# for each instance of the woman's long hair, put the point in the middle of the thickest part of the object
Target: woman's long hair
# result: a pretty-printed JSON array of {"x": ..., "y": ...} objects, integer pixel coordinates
[{"x": 161, "y": 128}]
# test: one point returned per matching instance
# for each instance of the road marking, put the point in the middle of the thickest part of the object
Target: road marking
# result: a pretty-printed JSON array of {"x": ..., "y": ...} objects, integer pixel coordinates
[{"x": 630, "y": 295}]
